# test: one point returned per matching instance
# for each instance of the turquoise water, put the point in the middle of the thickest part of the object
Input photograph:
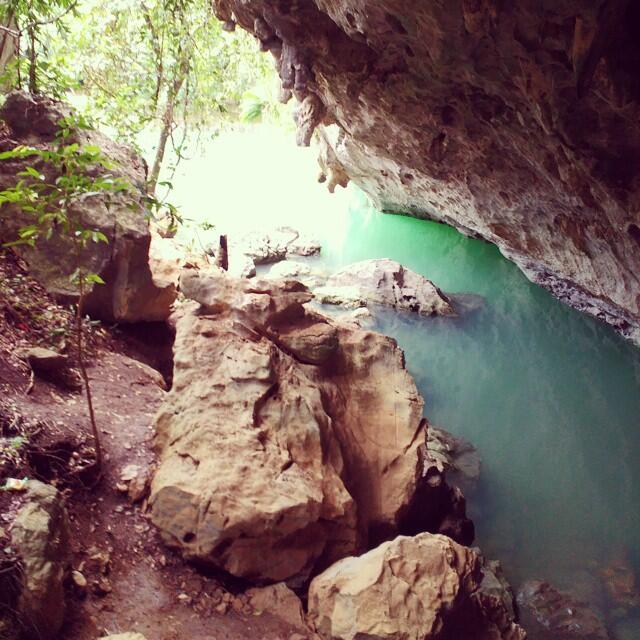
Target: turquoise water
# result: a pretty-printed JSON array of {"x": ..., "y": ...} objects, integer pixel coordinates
[{"x": 549, "y": 396}]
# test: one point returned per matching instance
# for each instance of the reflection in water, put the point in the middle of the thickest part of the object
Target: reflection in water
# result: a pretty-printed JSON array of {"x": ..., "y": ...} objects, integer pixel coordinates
[{"x": 550, "y": 397}]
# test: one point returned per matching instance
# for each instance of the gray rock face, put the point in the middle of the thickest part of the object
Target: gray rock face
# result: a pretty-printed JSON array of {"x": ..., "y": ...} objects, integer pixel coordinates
[
  {"x": 40, "y": 535},
  {"x": 384, "y": 282},
  {"x": 130, "y": 293},
  {"x": 515, "y": 122}
]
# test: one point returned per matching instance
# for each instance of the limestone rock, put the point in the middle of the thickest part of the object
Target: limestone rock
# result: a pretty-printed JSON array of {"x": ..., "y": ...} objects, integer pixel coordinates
[
  {"x": 306, "y": 273},
  {"x": 129, "y": 635},
  {"x": 276, "y": 245},
  {"x": 40, "y": 535},
  {"x": 514, "y": 122},
  {"x": 270, "y": 466},
  {"x": 130, "y": 293},
  {"x": 406, "y": 589},
  {"x": 279, "y": 601},
  {"x": 549, "y": 613},
  {"x": 385, "y": 282}
]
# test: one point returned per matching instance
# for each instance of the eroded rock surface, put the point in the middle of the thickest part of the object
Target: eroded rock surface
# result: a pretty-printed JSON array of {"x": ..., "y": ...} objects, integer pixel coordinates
[
  {"x": 384, "y": 282},
  {"x": 130, "y": 293},
  {"x": 275, "y": 245},
  {"x": 287, "y": 441},
  {"x": 516, "y": 122},
  {"x": 426, "y": 587},
  {"x": 40, "y": 538}
]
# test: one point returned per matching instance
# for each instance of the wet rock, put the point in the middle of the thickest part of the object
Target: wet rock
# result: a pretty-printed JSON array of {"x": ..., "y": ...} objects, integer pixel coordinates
[
  {"x": 421, "y": 587},
  {"x": 130, "y": 293},
  {"x": 271, "y": 467},
  {"x": 620, "y": 584},
  {"x": 454, "y": 456},
  {"x": 40, "y": 537},
  {"x": 276, "y": 245},
  {"x": 278, "y": 600},
  {"x": 384, "y": 282},
  {"x": 550, "y": 614}
]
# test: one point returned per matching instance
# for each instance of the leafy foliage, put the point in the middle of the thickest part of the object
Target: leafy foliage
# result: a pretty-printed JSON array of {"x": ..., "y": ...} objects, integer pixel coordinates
[{"x": 50, "y": 191}]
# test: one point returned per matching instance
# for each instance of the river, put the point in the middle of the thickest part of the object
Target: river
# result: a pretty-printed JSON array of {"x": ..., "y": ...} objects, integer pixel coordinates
[{"x": 549, "y": 396}]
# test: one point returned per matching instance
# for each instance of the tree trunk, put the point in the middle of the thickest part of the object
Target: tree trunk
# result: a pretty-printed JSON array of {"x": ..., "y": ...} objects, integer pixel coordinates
[{"x": 167, "y": 123}]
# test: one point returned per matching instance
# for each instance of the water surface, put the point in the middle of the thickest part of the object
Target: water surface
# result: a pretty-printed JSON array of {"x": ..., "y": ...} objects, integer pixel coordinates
[{"x": 549, "y": 396}]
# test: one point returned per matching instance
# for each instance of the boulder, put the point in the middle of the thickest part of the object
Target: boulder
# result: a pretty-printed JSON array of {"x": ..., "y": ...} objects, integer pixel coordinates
[
  {"x": 40, "y": 537},
  {"x": 287, "y": 440},
  {"x": 419, "y": 588},
  {"x": 384, "y": 282},
  {"x": 550, "y": 614},
  {"x": 130, "y": 293},
  {"x": 279, "y": 601},
  {"x": 275, "y": 245}
]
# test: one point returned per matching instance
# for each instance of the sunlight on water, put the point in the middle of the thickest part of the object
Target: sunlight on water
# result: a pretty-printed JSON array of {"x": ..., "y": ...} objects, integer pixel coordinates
[{"x": 549, "y": 396}]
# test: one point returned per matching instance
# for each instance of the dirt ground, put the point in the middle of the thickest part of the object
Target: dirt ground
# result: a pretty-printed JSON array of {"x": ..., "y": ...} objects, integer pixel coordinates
[{"x": 134, "y": 583}]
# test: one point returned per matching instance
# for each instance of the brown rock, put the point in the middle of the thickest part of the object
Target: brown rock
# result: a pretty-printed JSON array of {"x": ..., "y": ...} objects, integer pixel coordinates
[
  {"x": 421, "y": 587},
  {"x": 279, "y": 601},
  {"x": 130, "y": 293},
  {"x": 270, "y": 468},
  {"x": 40, "y": 538}
]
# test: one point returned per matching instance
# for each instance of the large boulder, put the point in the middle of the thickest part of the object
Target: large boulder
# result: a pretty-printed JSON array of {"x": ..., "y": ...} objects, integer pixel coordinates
[
  {"x": 40, "y": 538},
  {"x": 287, "y": 440},
  {"x": 130, "y": 293},
  {"x": 420, "y": 588},
  {"x": 384, "y": 282}
]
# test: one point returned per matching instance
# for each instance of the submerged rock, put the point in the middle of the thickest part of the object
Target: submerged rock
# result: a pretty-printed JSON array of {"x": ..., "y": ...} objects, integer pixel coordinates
[
  {"x": 549, "y": 614},
  {"x": 40, "y": 538},
  {"x": 130, "y": 293},
  {"x": 287, "y": 439},
  {"x": 425, "y": 587},
  {"x": 384, "y": 282},
  {"x": 454, "y": 456}
]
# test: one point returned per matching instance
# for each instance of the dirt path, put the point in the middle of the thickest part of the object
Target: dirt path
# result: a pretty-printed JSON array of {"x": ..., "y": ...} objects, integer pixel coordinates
[{"x": 133, "y": 582}]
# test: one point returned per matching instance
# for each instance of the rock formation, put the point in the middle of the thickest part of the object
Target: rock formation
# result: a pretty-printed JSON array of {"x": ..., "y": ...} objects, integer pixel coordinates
[
  {"x": 515, "y": 122},
  {"x": 130, "y": 293},
  {"x": 426, "y": 587},
  {"x": 288, "y": 441},
  {"x": 549, "y": 613},
  {"x": 384, "y": 282},
  {"x": 40, "y": 538}
]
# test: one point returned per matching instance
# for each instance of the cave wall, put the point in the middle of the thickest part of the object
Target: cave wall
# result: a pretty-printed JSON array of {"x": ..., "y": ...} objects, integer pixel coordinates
[{"x": 516, "y": 122}]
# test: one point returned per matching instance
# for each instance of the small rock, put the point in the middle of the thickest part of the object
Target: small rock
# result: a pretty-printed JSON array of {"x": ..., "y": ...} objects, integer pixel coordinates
[
  {"x": 101, "y": 586},
  {"x": 222, "y": 608},
  {"x": 79, "y": 580}
]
